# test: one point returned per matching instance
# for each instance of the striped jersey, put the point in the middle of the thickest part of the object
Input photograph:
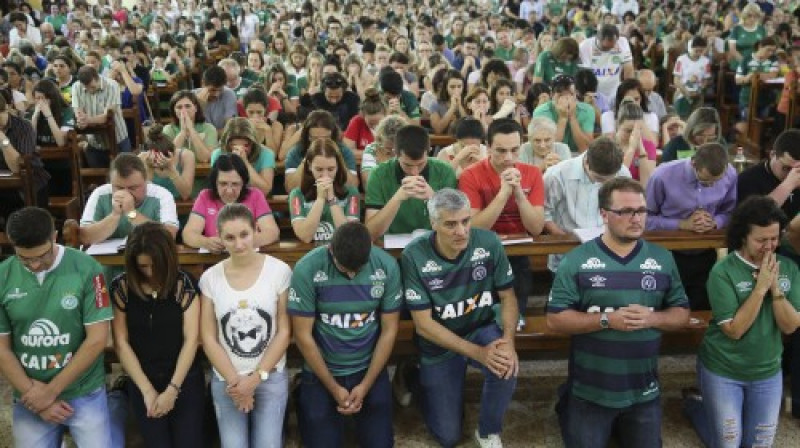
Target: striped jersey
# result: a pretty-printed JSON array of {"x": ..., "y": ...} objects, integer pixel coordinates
[
  {"x": 346, "y": 312},
  {"x": 612, "y": 368},
  {"x": 460, "y": 293}
]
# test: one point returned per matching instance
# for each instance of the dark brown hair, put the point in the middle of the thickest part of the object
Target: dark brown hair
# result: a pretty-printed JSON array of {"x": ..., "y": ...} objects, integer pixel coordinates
[
  {"x": 323, "y": 148},
  {"x": 153, "y": 240}
]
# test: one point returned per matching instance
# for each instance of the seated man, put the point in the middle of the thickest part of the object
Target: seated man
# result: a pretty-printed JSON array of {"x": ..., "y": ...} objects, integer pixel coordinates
[
  {"x": 571, "y": 190},
  {"x": 451, "y": 278},
  {"x": 777, "y": 177},
  {"x": 128, "y": 200},
  {"x": 54, "y": 313},
  {"x": 92, "y": 97},
  {"x": 22, "y": 29},
  {"x": 336, "y": 98},
  {"x": 507, "y": 196},
  {"x": 216, "y": 99},
  {"x": 233, "y": 78},
  {"x": 398, "y": 100},
  {"x": 398, "y": 188},
  {"x": 574, "y": 119},
  {"x": 345, "y": 305},
  {"x": 698, "y": 195}
]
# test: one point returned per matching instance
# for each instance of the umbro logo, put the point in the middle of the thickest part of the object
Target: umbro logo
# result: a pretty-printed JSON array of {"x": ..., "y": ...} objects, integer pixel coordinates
[
  {"x": 320, "y": 276},
  {"x": 412, "y": 296},
  {"x": 479, "y": 254},
  {"x": 650, "y": 265},
  {"x": 598, "y": 281}
]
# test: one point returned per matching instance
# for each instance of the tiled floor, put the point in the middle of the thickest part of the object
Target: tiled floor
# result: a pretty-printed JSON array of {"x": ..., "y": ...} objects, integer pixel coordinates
[{"x": 530, "y": 422}]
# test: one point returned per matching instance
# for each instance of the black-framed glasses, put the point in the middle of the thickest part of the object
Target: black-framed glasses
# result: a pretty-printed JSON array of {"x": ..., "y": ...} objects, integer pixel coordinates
[{"x": 628, "y": 212}]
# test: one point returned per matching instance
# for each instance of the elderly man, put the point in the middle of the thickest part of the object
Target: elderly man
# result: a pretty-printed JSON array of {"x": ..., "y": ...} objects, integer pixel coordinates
[
  {"x": 647, "y": 78},
  {"x": 542, "y": 149},
  {"x": 453, "y": 278}
]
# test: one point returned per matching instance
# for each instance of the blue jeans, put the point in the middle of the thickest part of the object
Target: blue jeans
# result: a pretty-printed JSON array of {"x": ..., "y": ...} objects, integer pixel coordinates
[
  {"x": 589, "y": 425},
  {"x": 321, "y": 425},
  {"x": 263, "y": 426},
  {"x": 741, "y": 413},
  {"x": 89, "y": 424},
  {"x": 442, "y": 387}
]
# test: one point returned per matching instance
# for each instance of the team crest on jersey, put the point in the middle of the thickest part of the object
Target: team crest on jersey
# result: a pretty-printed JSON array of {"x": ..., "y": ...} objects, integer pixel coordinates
[
  {"x": 479, "y": 254},
  {"x": 650, "y": 265},
  {"x": 479, "y": 273},
  {"x": 744, "y": 286},
  {"x": 431, "y": 266},
  {"x": 293, "y": 297},
  {"x": 69, "y": 302},
  {"x": 598, "y": 281},
  {"x": 377, "y": 291},
  {"x": 379, "y": 275},
  {"x": 784, "y": 283},
  {"x": 16, "y": 294},
  {"x": 435, "y": 283},
  {"x": 412, "y": 296},
  {"x": 320, "y": 276},
  {"x": 649, "y": 283},
  {"x": 593, "y": 263}
]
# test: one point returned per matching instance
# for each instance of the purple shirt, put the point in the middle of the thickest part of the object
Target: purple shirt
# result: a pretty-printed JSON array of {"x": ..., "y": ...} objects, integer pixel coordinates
[{"x": 674, "y": 193}]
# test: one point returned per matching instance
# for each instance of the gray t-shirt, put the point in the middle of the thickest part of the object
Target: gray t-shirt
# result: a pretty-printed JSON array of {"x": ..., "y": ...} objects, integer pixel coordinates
[{"x": 218, "y": 112}]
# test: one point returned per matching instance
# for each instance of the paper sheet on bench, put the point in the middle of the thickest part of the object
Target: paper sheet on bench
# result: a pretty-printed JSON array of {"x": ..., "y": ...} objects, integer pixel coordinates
[
  {"x": 589, "y": 233},
  {"x": 106, "y": 247},
  {"x": 401, "y": 240}
]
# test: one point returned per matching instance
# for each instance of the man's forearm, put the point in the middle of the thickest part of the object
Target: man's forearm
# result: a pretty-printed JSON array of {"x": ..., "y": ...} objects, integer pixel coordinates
[
  {"x": 12, "y": 370},
  {"x": 101, "y": 230},
  {"x": 379, "y": 223}
]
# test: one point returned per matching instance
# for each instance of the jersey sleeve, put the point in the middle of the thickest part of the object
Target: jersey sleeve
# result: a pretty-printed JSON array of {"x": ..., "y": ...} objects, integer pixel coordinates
[
  {"x": 302, "y": 294},
  {"x": 676, "y": 296},
  {"x": 416, "y": 296},
  {"x": 503, "y": 274},
  {"x": 353, "y": 128},
  {"x": 168, "y": 212},
  {"x": 392, "y": 300},
  {"x": 5, "y": 325},
  {"x": 293, "y": 159},
  {"x": 536, "y": 195},
  {"x": 96, "y": 302},
  {"x": 209, "y": 135},
  {"x": 90, "y": 211},
  {"x": 564, "y": 294},
  {"x": 352, "y": 206},
  {"x": 285, "y": 276},
  {"x": 721, "y": 295},
  {"x": 348, "y": 157},
  {"x": 266, "y": 159},
  {"x": 259, "y": 205},
  {"x": 296, "y": 209},
  {"x": 375, "y": 197}
]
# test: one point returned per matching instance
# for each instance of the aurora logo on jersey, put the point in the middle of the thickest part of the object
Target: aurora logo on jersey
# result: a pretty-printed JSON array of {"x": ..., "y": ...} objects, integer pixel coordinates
[
  {"x": 479, "y": 254},
  {"x": 593, "y": 263},
  {"x": 464, "y": 307},
  {"x": 44, "y": 333},
  {"x": 347, "y": 320}
]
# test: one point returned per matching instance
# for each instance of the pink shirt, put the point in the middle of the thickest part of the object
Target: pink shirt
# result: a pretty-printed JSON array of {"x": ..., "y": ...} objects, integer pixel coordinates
[
  {"x": 208, "y": 208},
  {"x": 652, "y": 154}
]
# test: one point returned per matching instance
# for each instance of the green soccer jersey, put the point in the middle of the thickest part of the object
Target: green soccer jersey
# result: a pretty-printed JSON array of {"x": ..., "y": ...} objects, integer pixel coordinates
[
  {"x": 46, "y": 320},
  {"x": 745, "y": 41},
  {"x": 244, "y": 84},
  {"x": 384, "y": 181},
  {"x": 347, "y": 312},
  {"x": 752, "y": 65},
  {"x": 547, "y": 67},
  {"x": 299, "y": 208},
  {"x": 757, "y": 354},
  {"x": 460, "y": 293},
  {"x": 613, "y": 368},
  {"x": 158, "y": 205}
]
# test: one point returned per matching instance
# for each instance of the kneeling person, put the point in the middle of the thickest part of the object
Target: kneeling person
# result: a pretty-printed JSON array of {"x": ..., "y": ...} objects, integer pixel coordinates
[
  {"x": 344, "y": 301},
  {"x": 452, "y": 277}
]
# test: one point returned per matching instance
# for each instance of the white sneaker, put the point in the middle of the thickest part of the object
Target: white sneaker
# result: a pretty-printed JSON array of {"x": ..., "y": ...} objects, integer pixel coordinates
[{"x": 490, "y": 441}]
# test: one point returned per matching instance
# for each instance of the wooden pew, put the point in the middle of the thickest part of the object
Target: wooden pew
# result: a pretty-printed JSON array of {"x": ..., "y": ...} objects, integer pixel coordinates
[
  {"x": 134, "y": 115},
  {"x": 66, "y": 207},
  {"x": 21, "y": 181},
  {"x": 756, "y": 125},
  {"x": 96, "y": 176}
]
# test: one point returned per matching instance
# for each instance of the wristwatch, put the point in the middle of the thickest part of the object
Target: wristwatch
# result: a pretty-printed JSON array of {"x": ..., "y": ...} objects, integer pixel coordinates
[
  {"x": 5, "y": 142},
  {"x": 604, "y": 321},
  {"x": 132, "y": 215},
  {"x": 263, "y": 374}
]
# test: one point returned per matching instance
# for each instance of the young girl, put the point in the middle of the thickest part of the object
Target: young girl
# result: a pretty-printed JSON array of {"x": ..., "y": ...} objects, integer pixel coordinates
[
  {"x": 477, "y": 106},
  {"x": 156, "y": 327},
  {"x": 245, "y": 333},
  {"x": 449, "y": 106},
  {"x": 323, "y": 201},
  {"x": 359, "y": 131}
]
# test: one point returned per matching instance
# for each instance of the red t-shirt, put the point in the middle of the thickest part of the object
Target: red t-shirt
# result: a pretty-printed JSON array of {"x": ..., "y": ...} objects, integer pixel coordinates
[
  {"x": 274, "y": 104},
  {"x": 358, "y": 131},
  {"x": 481, "y": 183}
]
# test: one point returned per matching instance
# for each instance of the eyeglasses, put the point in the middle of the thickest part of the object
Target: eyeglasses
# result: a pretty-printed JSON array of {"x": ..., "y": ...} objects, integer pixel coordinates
[
  {"x": 27, "y": 261},
  {"x": 628, "y": 212},
  {"x": 334, "y": 81}
]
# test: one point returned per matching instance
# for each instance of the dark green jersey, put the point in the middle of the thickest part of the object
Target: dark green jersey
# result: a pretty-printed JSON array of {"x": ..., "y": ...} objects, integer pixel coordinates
[
  {"x": 385, "y": 180},
  {"x": 757, "y": 354},
  {"x": 547, "y": 67},
  {"x": 346, "y": 312},
  {"x": 613, "y": 368},
  {"x": 46, "y": 319},
  {"x": 460, "y": 293},
  {"x": 299, "y": 208}
]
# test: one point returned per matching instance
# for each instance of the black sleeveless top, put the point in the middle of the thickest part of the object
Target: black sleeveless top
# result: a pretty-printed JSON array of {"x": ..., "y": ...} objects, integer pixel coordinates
[{"x": 155, "y": 327}]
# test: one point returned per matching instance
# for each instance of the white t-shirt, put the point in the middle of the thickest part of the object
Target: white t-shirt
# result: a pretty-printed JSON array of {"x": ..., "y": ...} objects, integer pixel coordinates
[
  {"x": 606, "y": 65},
  {"x": 691, "y": 73},
  {"x": 608, "y": 124},
  {"x": 247, "y": 320}
]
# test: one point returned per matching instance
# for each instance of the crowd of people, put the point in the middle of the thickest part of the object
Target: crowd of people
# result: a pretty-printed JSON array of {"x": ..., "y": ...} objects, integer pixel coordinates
[{"x": 559, "y": 115}]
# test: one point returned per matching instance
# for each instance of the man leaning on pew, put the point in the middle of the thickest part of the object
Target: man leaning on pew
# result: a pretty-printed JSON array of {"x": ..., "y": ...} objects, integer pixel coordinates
[
  {"x": 126, "y": 201},
  {"x": 615, "y": 295}
]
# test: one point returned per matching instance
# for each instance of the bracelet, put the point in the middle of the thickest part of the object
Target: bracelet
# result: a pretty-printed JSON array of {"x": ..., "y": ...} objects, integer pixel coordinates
[
  {"x": 779, "y": 297},
  {"x": 174, "y": 386}
]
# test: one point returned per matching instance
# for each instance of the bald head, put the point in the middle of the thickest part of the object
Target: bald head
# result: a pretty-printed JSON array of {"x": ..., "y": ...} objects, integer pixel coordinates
[{"x": 648, "y": 79}]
